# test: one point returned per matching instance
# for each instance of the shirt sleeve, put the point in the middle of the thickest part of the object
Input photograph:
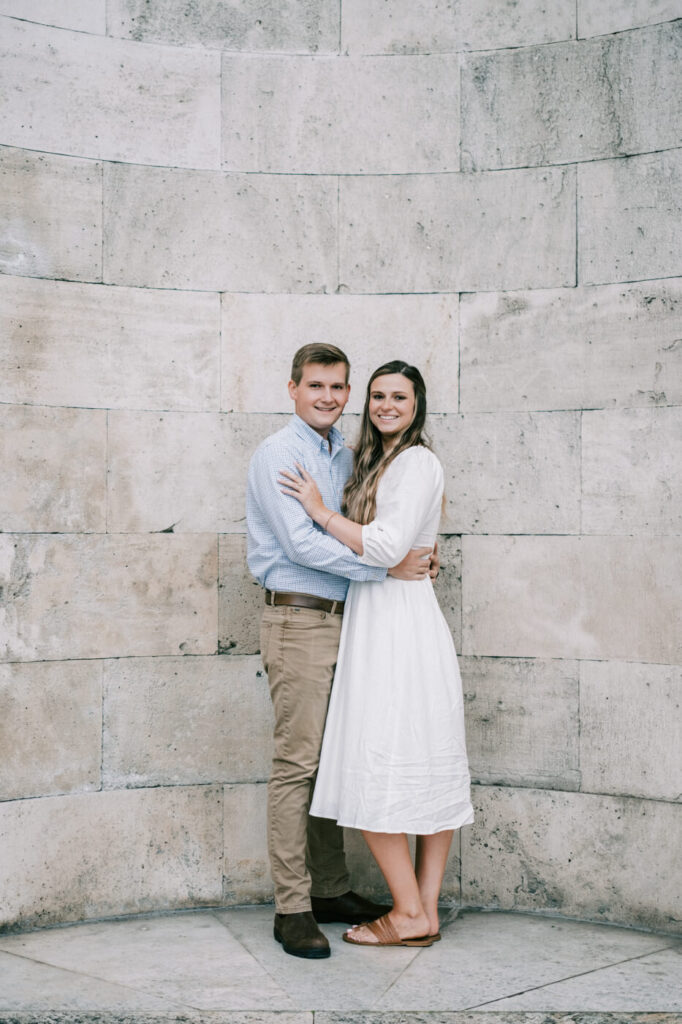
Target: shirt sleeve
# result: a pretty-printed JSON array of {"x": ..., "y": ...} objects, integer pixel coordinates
[
  {"x": 302, "y": 541},
  {"x": 411, "y": 490}
]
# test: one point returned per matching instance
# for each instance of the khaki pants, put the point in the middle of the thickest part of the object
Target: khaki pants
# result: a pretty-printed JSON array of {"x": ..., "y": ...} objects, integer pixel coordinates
[{"x": 299, "y": 647}]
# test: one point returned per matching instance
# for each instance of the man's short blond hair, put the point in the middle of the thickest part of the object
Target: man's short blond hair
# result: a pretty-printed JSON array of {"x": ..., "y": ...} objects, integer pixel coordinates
[{"x": 327, "y": 355}]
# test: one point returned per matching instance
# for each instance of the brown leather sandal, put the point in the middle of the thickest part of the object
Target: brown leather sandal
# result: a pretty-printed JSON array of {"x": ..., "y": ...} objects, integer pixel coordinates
[{"x": 388, "y": 936}]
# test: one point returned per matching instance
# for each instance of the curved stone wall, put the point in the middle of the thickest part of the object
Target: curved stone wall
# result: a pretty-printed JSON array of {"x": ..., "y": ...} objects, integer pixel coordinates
[{"x": 188, "y": 193}]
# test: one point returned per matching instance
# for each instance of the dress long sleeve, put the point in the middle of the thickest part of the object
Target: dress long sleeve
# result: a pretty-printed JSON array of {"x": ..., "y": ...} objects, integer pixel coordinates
[{"x": 413, "y": 492}]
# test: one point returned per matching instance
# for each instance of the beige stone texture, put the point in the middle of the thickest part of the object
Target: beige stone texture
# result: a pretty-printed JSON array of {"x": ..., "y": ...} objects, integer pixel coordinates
[
  {"x": 510, "y": 472},
  {"x": 71, "y": 92},
  {"x": 50, "y": 216},
  {"x": 91, "y": 345},
  {"x": 458, "y": 232},
  {"x": 597, "y": 17},
  {"x": 631, "y": 729},
  {"x": 53, "y": 469},
  {"x": 574, "y": 101},
  {"x": 522, "y": 721},
  {"x": 50, "y": 728},
  {"x": 82, "y": 15},
  {"x": 366, "y": 878},
  {"x": 240, "y": 599},
  {"x": 246, "y": 865},
  {"x": 628, "y": 218},
  {"x": 354, "y": 115},
  {"x": 290, "y": 26},
  {"x": 94, "y": 596},
  {"x": 432, "y": 26},
  {"x": 109, "y": 853},
  {"x": 185, "y": 721},
  {"x": 573, "y": 597},
  {"x": 448, "y": 584},
  {"x": 574, "y": 854},
  {"x": 219, "y": 232},
  {"x": 260, "y": 334},
  {"x": 595, "y": 347},
  {"x": 181, "y": 472},
  {"x": 632, "y": 472}
]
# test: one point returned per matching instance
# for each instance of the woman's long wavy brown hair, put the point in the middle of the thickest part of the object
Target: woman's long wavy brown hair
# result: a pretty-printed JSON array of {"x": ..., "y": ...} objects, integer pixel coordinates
[{"x": 360, "y": 494}]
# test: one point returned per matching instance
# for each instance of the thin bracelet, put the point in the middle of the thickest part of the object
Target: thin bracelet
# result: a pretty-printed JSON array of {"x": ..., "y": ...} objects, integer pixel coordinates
[{"x": 329, "y": 520}]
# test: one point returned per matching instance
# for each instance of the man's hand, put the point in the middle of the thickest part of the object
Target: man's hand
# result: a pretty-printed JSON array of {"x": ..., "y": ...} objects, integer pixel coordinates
[
  {"x": 414, "y": 566},
  {"x": 434, "y": 566}
]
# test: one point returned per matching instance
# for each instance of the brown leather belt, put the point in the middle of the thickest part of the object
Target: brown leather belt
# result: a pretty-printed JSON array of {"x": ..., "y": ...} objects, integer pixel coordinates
[{"x": 320, "y": 604}]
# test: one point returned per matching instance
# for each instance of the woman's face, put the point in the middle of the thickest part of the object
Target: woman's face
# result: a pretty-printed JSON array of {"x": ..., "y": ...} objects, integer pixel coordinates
[{"x": 392, "y": 405}]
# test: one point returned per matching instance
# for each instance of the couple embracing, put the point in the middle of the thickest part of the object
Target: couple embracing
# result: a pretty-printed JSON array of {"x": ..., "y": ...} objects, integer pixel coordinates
[{"x": 343, "y": 544}]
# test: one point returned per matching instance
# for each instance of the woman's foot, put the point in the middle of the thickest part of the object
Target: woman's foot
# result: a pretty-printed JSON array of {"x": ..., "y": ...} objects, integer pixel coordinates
[{"x": 405, "y": 926}]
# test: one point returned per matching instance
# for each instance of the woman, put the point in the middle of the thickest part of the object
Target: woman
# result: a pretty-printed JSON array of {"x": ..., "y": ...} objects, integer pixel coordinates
[{"x": 393, "y": 759}]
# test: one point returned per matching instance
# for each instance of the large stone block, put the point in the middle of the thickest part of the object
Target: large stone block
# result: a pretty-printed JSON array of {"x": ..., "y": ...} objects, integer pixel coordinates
[
  {"x": 628, "y": 218},
  {"x": 109, "y": 853},
  {"x": 86, "y": 95},
  {"x": 103, "y": 596},
  {"x": 50, "y": 728},
  {"x": 53, "y": 468},
  {"x": 448, "y": 584},
  {"x": 82, "y": 15},
  {"x": 430, "y": 26},
  {"x": 240, "y": 599},
  {"x": 79, "y": 344},
  {"x": 51, "y": 215},
  {"x": 219, "y": 232},
  {"x": 632, "y": 472},
  {"x": 458, "y": 232},
  {"x": 282, "y": 25},
  {"x": 548, "y": 851},
  {"x": 597, "y": 17},
  {"x": 574, "y": 101},
  {"x": 522, "y": 721},
  {"x": 573, "y": 597},
  {"x": 261, "y": 333},
  {"x": 308, "y": 114},
  {"x": 572, "y": 348},
  {"x": 510, "y": 472},
  {"x": 631, "y": 729},
  {"x": 185, "y": 721},
  {"x": 181, "y": 472},
  {"x": 246, "y": 865}
]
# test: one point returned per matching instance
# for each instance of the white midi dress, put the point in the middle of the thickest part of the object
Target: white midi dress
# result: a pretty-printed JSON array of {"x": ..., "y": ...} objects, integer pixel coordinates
[{"x": 393, "y": 756}]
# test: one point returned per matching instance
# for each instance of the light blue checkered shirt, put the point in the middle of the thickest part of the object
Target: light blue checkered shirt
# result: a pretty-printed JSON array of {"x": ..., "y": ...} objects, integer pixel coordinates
[{"x": 286, "y": 549}]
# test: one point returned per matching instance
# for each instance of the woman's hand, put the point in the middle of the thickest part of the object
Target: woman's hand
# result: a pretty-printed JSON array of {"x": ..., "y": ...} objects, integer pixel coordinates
[{"x": 301, "y": 486}]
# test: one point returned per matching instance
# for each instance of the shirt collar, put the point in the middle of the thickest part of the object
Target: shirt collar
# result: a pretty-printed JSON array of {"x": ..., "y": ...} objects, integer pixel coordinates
[{"x": 305, "y": 431}]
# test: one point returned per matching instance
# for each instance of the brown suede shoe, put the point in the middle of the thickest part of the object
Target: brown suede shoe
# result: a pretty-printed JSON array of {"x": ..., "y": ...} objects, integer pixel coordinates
[
  {"x": 349, "y": 907},
  {"x": 300, "y": 936}
]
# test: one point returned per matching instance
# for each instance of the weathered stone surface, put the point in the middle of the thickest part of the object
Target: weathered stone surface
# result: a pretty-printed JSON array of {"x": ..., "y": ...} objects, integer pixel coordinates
[
  {"x": 246, "y": 866},
  {"x": 632, "y": 472},
  {"x": 365, "y": 876},
  {"x": 535, "y": 849},
  {"x": 631, "y": 729},
  {"x": 184, "y": 721},
  {"x": 50, "y": 728},
  {"x": 103, "y": 596},
  {"x": 261, "y": 333},
  {"x": 573, "y": 597},
  {"x": 282, "y": 25},
  {"x": 240, "y": 599},
  {"x": 145, "y": 850},
  {"x": 458, "y": 232},
  {"x": 572, "y": 348},
  {"x": 78, "y": 344},
  {"x": 448, "y": 584},
  {"x": 83, "y": 15},
  {"x": 51, "y": 216},
  {"x": 574, "y": 101},
  {"x": 308, "y": 114},
  {"x": 430, "y": 26},
  {"x": 53, "y": 469},
  {"x": 628, "y": 217},
  {"x": 510, "y": 472},
  {"x": 181, "y": 472},
  {"x": 597, "y": 17},
  {"x": 109, "y": 99},
  {"x": 505, "y": 700},
  {"x": 219, "y": 232}
]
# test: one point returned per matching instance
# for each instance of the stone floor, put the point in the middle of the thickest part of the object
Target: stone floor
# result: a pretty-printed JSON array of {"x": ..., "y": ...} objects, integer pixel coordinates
[{"x": 223, "y": 965}]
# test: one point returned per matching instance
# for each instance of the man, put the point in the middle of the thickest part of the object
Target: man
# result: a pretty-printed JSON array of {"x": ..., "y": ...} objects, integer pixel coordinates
[{"x": 305, "y": 573}]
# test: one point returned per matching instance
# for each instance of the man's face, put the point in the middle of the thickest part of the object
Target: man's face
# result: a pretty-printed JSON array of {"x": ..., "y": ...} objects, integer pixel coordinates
[{"x": 321, "y": 396}]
